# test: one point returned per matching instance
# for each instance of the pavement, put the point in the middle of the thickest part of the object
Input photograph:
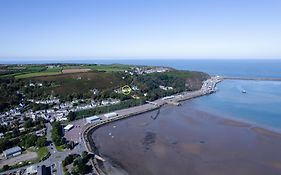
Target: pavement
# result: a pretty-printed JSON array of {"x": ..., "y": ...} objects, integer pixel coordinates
[{"x": 75, "y": 133}]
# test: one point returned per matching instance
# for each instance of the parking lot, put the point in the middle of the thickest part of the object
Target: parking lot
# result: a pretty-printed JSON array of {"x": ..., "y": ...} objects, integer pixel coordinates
[{"x": 73, "y": 134}]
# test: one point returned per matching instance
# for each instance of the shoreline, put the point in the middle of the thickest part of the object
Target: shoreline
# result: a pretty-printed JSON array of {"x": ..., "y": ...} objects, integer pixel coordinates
[
  {"x": 207, "y": 88},
  {"x": 260, "y": 130},
  {"x": 215, "y": 121}
]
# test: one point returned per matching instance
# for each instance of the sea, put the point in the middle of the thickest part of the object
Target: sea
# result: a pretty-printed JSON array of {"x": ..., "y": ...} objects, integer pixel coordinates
[
  {"x": 195, "y": 137},
  {"x": 260, "y": 105}
]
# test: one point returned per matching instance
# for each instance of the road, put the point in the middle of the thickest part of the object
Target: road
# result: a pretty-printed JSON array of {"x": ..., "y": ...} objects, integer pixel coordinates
[{"x": 56, "y": 158}]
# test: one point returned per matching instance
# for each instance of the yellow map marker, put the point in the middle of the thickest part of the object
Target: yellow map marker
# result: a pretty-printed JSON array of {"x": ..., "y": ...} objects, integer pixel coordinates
[{"x": 126, "y": 90}]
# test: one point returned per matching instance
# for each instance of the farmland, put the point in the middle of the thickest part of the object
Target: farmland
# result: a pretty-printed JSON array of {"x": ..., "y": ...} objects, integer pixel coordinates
[
  {"x": 36, "y": 74},
  {"x": 29, "y": 71}
]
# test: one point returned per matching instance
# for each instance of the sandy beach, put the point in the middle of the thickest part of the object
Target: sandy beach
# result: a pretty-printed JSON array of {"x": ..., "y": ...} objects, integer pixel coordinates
[{"x": 185, "y": 140}]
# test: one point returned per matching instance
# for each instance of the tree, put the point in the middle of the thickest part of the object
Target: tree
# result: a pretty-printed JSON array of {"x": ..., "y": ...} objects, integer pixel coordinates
[
  {"x": 70, "y": 145},
  {"x": 57, "y": 135},
  {"x": 85, "y": 156},
  {"x": 6, "y": 167},
  {"x": 15, "y": 132},
  {"x": 79, "y": 166},
  {"x": 3, "y": 128},
  {"x": 69, "y": 159},
  {"x": 41, "y": 142},
  {"x": 71, "y": 116},
  {"x": 29, "y": 140},
  {"x": 28, "y": 123}
]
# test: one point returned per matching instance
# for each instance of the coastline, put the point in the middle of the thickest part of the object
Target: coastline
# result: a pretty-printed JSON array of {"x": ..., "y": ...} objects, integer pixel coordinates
[
  {"x": 229, "y": 133},
  {"x": 230, "y": 122},
  {"x": 207, "y": 88}
]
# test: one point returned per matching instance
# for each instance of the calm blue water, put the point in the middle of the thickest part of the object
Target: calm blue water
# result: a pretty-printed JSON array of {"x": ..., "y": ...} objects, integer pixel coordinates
[{"x": 261, "y": 104}]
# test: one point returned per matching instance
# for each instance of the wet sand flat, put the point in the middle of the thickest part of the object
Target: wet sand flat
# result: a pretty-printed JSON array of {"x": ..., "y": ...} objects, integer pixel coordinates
[{"x": 184, "y": 140}]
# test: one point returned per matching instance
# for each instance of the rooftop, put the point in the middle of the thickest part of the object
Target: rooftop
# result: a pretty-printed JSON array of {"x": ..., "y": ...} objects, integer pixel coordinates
[
  {"x": 12, "y": 150},
  {"x": 93, "y": 118}
]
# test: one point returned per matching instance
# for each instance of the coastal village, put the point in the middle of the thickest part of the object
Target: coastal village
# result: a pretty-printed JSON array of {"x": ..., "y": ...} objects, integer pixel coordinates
[{"x": 24, "y": 158}]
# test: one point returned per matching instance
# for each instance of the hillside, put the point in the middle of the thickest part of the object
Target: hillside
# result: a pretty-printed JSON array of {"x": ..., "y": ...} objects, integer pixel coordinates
[{"x": 68, "y": 82}]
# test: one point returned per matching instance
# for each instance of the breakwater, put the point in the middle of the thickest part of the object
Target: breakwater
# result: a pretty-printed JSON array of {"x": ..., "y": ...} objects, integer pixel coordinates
[{"x": 252, "y": 78}]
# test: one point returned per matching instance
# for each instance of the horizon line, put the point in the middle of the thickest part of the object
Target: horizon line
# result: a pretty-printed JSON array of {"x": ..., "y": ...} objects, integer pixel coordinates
[{"x": 88, "y": 58}]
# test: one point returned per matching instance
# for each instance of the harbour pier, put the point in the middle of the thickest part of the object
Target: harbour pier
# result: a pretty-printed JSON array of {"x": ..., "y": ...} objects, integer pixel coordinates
[{"x": 252, "y": 78}]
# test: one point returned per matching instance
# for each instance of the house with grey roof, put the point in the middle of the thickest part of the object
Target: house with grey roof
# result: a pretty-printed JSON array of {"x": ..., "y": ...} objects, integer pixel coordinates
[{"x": 12, "y": 152}]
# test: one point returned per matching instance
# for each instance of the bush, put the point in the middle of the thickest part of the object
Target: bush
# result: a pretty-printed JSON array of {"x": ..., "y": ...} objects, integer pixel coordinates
[
  {"x": 6, "y": 167},
  {"x": 41, "y": 142}
]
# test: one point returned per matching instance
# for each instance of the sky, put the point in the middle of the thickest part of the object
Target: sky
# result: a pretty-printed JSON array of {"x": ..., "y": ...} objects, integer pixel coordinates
[{"x": 72, "y": 29}]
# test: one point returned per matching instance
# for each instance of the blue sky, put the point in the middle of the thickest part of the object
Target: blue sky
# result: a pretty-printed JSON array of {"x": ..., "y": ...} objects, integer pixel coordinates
[{"x": 140, "y": 29}]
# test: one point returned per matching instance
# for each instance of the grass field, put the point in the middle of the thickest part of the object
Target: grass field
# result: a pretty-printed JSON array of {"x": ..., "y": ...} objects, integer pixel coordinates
[
  {"x": 108, "y": 68},
  {"x": 36, "y": 74},
  {"x": 60, "y": 148},
  {"x": 55, "y": 69},
  {"x": 42, "y": 152},
  {"x": 29, "y": 71},
  {"x": 69, "y": 71}
]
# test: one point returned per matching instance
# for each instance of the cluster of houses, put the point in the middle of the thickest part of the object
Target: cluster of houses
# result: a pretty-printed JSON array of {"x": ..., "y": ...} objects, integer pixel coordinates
[
  {"x": 146, "y": 70},
  {"x": 149, "y": 70},
  {"x": 7, "y": 118},
  {"x": 49, "y": 101},
  {"x": 58, "y": 112},
  {"x": 35, "y": 84},
  {"x": 165, "y": 88}
]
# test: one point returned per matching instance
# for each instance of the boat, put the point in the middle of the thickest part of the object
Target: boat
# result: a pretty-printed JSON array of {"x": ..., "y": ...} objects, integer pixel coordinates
[{"x": 243, "y": 91}]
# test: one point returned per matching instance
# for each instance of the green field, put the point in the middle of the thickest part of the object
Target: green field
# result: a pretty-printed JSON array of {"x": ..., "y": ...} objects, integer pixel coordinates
[
  {"x": 36, "y": 74},
  {"x": 23, "y": 71},
  {"x": 60, "y": 148},
  {"x": 42, "y": 152},
  {"x": 55, "y": 69},
  {"x": 29, "y": 71},
  {"x": 109, "y": 68}
]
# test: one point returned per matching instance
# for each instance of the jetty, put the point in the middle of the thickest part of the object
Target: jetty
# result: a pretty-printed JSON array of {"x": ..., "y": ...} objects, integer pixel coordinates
[
  {"x": 251, "y": 78},
  {"x": 208, "y": 87}
]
